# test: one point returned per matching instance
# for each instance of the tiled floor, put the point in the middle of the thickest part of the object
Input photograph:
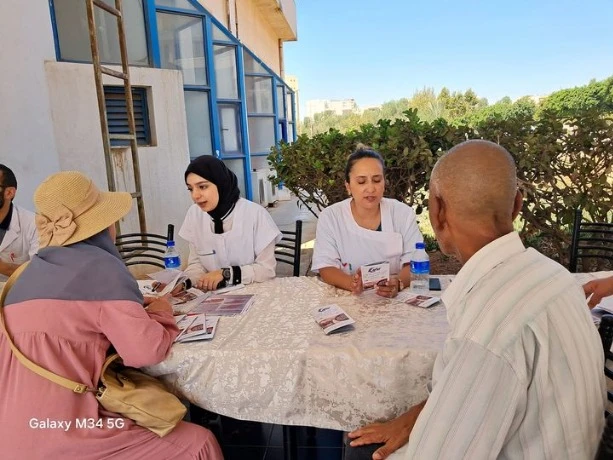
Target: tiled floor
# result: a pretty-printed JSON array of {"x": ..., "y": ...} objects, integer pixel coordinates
[{"x": 243, "y": 440}]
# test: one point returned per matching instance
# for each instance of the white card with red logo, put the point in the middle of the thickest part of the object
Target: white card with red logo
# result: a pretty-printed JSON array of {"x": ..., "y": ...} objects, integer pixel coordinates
[{"x": 375, "y": 273}]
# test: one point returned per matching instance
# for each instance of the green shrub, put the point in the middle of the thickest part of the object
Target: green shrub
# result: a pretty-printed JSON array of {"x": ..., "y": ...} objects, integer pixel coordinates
[{"x": 563, "y": 164}]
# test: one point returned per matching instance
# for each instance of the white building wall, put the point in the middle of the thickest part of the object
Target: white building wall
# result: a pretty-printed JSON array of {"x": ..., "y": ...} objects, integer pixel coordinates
[
  {"x": 27, "y": 143},
  {"x": 162, "y": 165}
]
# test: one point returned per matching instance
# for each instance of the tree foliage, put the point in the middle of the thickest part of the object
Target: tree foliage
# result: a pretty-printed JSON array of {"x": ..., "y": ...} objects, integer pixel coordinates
[{"x": 563, "y": 163}]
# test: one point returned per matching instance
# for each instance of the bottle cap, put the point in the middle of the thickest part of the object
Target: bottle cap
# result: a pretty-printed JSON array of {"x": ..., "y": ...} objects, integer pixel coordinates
[
  {"x": 170, "y": 243},
  {"x": 420, "y": 245}
]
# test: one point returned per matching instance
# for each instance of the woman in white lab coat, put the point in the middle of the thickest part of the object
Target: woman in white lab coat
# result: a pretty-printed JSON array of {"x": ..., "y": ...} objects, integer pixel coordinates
[
  {"x": 365, "y": 228},
  {"x": 231, "y": 240}
]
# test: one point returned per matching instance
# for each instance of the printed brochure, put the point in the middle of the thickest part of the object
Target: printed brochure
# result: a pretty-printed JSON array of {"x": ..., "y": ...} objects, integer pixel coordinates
[
  {"x": 331, "y": 318},
  {"x": 373, "y": 274},
  {"x": 416, "y": 300}
]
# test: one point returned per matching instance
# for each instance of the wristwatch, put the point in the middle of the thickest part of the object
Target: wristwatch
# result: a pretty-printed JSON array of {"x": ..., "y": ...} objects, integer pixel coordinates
[{"x": 227, "y": 274}]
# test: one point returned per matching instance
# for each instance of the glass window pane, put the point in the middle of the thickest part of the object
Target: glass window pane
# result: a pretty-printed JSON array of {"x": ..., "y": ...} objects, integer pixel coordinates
[
  {"x": 225, "y": 72},
  {"x": 198, "y": 123},
  {"x": 237, "y": 167},
  {"x": 218, "y": 34},
  {"x": 261, "y": 134},
  {"x": 290, "y": 106},
  {"x": 251, "y": 65},
  {"x": 280, "y": 102},
  {"x": 183, "y": 4},
  {"x": 259, "y": 94},
  {"x": 73, "y": 33},
  {"x": 290, "y": 133},
  {"x": 229, "y": 121},
  {"x": 182, "y": 46}
]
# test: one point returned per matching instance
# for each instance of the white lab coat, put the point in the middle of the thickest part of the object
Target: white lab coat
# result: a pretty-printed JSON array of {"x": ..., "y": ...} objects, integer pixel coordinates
[
  {"x": 253, "y": 230},
  {"x": 340, "y": 242},
  {"x": 20, "y": 241}
]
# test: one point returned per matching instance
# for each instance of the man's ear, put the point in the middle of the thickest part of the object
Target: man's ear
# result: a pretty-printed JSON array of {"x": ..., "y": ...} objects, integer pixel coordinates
[
  {"x": 9, "y": 193},
  {"x": 437, "y": 211},
  {"x": 517, "y": 204}
]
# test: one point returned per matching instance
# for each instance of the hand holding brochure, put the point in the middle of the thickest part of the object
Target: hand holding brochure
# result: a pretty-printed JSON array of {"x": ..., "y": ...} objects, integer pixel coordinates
[
  {"x": 331, "y": 318},
  {"x": 162, "y": 282},
  {"x": 373, "y": 274},
  {"x": 416, "y": 300}
]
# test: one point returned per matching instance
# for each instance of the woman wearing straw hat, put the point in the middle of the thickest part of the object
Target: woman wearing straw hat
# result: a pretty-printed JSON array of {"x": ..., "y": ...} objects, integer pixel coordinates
[
  {"x": 231, "y": 240},
  {"x": 74, "y": 300}
]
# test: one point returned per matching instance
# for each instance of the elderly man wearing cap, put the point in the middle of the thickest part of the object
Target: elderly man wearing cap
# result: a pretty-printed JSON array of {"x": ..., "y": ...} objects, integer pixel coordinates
[
  {"x": 73, "y": 302},
  {"x": 521, "y": 372},
  {"x": 18, "y": 238}
]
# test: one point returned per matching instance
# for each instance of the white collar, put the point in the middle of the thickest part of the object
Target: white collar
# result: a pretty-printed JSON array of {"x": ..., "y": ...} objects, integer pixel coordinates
[{"x": 479, "y": 265}]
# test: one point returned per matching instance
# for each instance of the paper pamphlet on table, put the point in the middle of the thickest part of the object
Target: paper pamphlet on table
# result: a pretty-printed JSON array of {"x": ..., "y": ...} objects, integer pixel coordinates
[
  {"x": 224, "y": 305},
  {"x": 161, "y": 282},
  {"x": 186, "y": 301},
  {"x": 374, "y": 273},
  {"x": 331, "y": 318},
  {"x": 196, "y": 327},
  {"x": 416, "y": 300}
]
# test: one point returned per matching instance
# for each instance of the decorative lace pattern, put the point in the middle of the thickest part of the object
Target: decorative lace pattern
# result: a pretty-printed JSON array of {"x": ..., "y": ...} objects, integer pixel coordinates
[{"x": 274, "y": 364}]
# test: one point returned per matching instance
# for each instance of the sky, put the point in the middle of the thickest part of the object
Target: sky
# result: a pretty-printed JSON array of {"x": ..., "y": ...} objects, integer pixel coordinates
[{"x": 379, "y": 50}]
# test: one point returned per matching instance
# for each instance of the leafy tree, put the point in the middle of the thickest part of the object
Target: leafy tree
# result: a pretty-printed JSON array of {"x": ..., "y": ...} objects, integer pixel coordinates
[{"x": 597, "y": 95}]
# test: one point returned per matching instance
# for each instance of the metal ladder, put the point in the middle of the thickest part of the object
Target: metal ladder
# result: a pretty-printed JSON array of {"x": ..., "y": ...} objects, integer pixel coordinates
[{"x": 125, "y": 76}]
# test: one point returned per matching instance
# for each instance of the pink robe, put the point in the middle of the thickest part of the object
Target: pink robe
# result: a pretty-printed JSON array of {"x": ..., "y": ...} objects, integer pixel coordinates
[
  {"x": 53, "y": 326},
  {"x": 74, "y": 345}
]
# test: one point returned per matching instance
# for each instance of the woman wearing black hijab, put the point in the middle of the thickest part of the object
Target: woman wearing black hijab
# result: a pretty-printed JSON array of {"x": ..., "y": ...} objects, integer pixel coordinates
[{"x": 231, "y": 240}]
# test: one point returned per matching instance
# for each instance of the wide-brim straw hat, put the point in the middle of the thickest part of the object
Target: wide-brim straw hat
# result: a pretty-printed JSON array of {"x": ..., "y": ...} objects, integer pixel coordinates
[{"x": 70, "y": 208}]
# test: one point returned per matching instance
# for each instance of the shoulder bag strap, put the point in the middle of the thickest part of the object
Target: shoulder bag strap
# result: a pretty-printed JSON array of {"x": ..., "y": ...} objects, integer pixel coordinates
[{"x": 62, "y": 381}]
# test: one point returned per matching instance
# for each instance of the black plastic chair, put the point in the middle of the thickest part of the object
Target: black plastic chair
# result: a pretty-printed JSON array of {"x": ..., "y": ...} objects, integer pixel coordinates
[
  {"x": 143, "y": 248},
  {"x": 605, "y": 449},
  {"x": 593, "y": 241},
  {"x": 287, "y": 250}
]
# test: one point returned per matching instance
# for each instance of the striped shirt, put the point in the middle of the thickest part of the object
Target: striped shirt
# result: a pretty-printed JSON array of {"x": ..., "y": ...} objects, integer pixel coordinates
[{"x": 521, "y": 372}]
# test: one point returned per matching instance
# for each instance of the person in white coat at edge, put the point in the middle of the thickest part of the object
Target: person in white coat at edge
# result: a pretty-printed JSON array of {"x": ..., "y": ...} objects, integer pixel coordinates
[
  {"x": 18, "y": 237},
  {"x": 365, "y": 228},
  {"x": 231, "y": 240}
]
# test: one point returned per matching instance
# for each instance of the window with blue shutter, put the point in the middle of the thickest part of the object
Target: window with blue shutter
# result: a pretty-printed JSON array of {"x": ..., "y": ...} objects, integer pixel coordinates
[{"x": 117, "y": 115}]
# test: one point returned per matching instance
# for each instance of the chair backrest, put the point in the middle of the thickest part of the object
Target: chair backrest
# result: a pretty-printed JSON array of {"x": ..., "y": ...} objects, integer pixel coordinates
[
  {"x": 593, "y": 241},
  {"x": 287, "y": 250},
  {"x": 605, "y": 449},
  {"x": 143, "y": 248}
]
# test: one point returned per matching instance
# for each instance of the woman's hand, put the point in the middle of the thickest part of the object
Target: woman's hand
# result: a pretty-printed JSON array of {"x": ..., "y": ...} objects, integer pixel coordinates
[
  {"x": 388, "y": 288},
  {"x": 210, "y": 280},
  {"x": 159, "y": 305},
  {"x": 356, "y": 282}
]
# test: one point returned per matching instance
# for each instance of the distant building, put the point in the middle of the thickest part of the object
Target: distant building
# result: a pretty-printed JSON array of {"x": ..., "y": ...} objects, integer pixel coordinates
[
  {"x": 368, "y": 108},
  {"x": 339, "y": 107}
]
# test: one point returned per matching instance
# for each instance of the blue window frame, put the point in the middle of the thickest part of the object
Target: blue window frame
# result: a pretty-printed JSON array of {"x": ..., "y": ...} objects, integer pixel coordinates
[{"x": 241, "y": 120}]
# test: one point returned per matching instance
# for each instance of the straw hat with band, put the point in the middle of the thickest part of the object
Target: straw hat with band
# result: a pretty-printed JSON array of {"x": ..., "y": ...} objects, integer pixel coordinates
[{"x": 70, "y": 208}]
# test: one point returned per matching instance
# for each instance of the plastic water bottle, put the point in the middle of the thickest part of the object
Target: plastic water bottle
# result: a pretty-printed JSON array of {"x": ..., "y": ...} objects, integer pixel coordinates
[
  {"x": 171, "y": 256},
  {"x": 420, "y": 269}
]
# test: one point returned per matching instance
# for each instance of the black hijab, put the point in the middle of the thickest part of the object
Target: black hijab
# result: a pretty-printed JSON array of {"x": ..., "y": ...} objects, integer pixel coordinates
[{"x": 215, "y": 171}]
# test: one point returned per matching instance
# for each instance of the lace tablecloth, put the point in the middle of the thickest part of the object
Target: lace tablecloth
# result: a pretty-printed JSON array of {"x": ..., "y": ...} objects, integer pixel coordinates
[{"x": 274, "y": 364}]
